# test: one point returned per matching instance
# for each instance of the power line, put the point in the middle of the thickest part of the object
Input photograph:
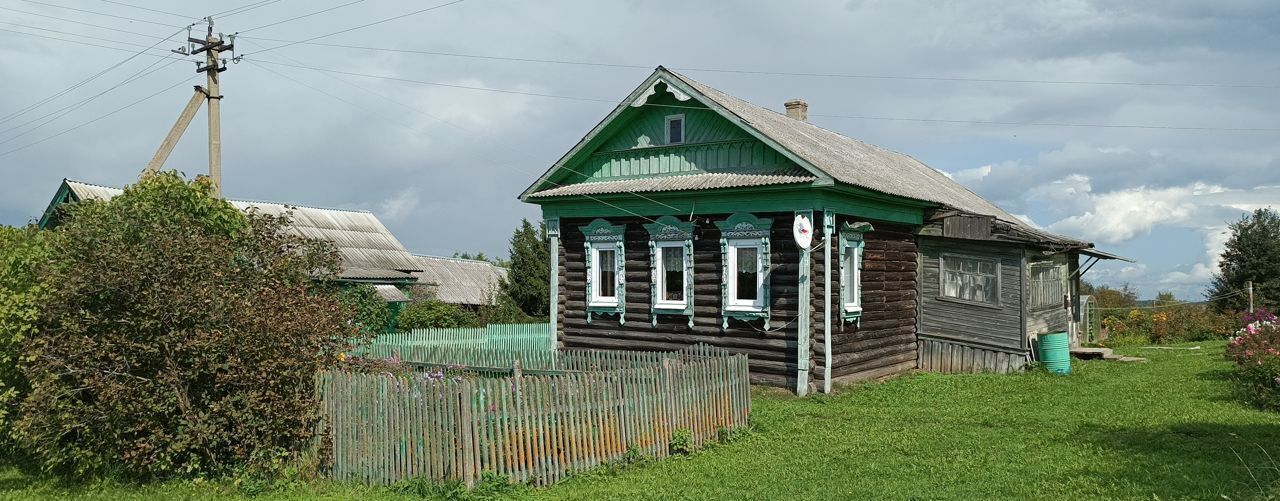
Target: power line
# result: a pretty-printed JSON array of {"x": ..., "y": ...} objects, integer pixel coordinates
[
  {"x": 82, "y": 23},
  {"x": 98, "y": 45},
  {"x": 298, "y": 17},
  {"x": 113, "y": 112},
  {"x": 860, "y": 117},
  {"x": 98, "y": 13},
  {"x": 776, "y": 73},
  {"x": 393, "y": 18},
  {"x": 243, "y": 8},
  {"x": 41, "y": 102},
  {"x": 184, "y": 16}
]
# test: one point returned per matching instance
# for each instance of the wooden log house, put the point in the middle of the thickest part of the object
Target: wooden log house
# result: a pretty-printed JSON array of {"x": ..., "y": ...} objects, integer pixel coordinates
[{"x": 671, "y": 223}]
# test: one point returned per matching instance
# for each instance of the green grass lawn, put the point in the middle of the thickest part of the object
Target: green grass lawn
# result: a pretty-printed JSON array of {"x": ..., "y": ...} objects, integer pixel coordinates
[{"x": 1171, "y": 428}]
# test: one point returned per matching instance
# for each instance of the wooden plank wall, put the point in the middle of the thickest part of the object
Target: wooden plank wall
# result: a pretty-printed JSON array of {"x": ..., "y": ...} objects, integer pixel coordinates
[
  {"x": 772, "y": 354},
  {"x": 517, "y": 337},
  {"x": 884, "y": 343},
  {"x": 532, "y": 429},
  {"x": 939, "y": 355},
  {"x": 998, "y": 326}
]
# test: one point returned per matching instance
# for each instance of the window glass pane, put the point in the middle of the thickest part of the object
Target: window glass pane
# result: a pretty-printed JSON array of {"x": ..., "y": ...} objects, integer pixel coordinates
[
  {"x": 675, "y": 130},
  {"x": 748, "y": 273},
  {"x": 606, "y": 276},
  {"x": 673, "y": 273},
  {"x": 971, "y": 279},
  {"x": 850, "y": 278}
]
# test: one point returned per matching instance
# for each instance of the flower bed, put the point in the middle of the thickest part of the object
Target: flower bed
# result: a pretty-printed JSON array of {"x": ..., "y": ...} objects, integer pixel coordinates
[{"x": 1256, "y": 351}]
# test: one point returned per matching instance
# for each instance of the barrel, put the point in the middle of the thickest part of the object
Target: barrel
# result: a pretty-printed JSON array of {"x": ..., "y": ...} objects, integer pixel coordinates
[{"x": 1055, "y": 352}]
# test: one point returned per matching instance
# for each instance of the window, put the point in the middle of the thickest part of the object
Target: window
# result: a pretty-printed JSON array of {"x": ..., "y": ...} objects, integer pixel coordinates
[
  {"x": 851, "y": 275},
  {"x": 604, "y": 260},
  {"x": 671, "y": 275},
  {"x": 675, "y": 129},
  {"x": 746, "y": 274},
  {"x": 971, "y": 279},
  {"x": 1047, "y": 285}
]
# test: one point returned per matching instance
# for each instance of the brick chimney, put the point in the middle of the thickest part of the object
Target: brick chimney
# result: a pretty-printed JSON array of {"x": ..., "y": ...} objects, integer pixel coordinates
[{"x": 797, "y": 109}]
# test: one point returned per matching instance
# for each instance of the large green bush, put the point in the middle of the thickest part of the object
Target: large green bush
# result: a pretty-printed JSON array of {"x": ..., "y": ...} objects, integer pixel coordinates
[
  {"x": 433, "y": 313},
  {"x": 23, "y": 252},
  {"x": 371, "y": 312},
  {"x": 183, "y": 338}
]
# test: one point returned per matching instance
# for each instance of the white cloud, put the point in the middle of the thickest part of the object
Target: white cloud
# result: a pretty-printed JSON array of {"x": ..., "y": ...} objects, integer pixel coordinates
[
  {"x": 1123, "y": 214},
  {"x": 398, "y": 207}
]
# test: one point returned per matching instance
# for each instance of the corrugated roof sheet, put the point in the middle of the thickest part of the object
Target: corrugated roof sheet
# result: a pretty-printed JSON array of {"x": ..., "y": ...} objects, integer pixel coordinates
[
  {"x": 391, "y": 293},
  {"x": 460, "y": 281},
  {"x": 688, "y": 182},
  {"x": 852, "y": 161},
  {"x": 367, "y": 247}
]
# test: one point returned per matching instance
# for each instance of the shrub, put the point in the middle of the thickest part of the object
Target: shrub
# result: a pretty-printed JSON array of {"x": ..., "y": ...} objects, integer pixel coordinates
[
  {"x": 431, "y": 313},
  {"x": 183, "y": 338},
  {"x": 371, "y": 312},
  {"x": 1256, "y": 352},
  {"x": 1167, "y": 325},
  {"x": 23, "y": 252}
]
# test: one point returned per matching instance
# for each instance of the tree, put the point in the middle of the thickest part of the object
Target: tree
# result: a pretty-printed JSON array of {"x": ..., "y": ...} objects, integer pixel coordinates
[
  {"x": 435, "y": 314},
  {"x": 1165, "y": 298},
  {"x": 528, "y": 278},
  {"x": 183, "y": 336},
  {"x": 1107, "y": 297},
  {"x": 371, "y": 312},
  {"x": 1252, "y": 254}
]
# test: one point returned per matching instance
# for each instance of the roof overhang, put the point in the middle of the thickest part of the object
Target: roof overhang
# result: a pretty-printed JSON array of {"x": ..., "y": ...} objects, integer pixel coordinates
[{"x": 1104, "y": 255}]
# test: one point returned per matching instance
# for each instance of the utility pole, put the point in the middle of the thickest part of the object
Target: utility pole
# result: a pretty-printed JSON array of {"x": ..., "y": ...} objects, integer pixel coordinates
[{"x": 212, "y": 47}]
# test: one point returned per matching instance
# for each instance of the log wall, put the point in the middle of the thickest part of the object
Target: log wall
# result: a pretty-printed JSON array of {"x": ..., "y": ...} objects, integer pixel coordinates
[
  {"x": 771, "y": 353},
  {"x": 884, "y": 342}
]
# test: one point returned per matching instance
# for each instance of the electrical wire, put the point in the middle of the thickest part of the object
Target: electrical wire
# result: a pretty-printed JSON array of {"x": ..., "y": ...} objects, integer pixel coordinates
[
  {"x": 81, "y": 83},
  {"x": 73, "y": 21},
  {"x": 778, "y": 73},
  {"x": 322, "y": 11},
  {"x": 1181, "y": 303},
  {"x": 243, "y": 8},
  {"x": 393, "y": 18},
  {"x": 101, "y": 117},
  {"x": 973, "y": 122},
  {"x": 37, "y": 2},
  {"x": 158, "y": 11},
  {"x": 80, "y": 42}
]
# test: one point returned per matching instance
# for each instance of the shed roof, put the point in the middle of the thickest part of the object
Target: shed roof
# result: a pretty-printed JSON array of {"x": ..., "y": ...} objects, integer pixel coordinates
[
  {"x": 369, "y": 251},
  {"x": 460, "y": 281}
]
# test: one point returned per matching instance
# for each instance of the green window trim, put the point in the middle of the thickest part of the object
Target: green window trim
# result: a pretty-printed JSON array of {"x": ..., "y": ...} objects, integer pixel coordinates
[
  {"x": 851, "y": 248},
  {"x": 740, "y": 229},
  {"x": 669, "y": 232},
  {"x": 600, "y": 235}
]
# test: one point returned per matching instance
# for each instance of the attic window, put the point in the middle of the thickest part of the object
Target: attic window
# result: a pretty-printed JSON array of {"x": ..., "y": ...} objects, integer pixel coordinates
[{"x": 675, "y": 129}]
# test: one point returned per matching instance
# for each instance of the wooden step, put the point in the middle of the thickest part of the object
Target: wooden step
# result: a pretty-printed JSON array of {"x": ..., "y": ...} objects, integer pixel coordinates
[{"x": 1092, "y": 353}]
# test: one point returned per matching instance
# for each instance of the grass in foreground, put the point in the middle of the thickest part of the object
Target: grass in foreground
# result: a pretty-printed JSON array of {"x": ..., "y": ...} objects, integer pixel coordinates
[{"x": 1171, "y": 428}]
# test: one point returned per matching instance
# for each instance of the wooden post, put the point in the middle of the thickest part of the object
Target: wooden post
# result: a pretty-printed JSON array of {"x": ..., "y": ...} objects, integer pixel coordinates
[
  {"x": 1249, "y": 285},
  {"x": 828, "y": 227},
  {"x": 804, "y": 301},
  {"x": 215, "y": 113},
  {"x": 553, "y": 310}
]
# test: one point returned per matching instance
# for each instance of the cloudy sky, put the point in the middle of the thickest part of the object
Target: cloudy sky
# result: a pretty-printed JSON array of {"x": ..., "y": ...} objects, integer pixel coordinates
[{"x": 442, "y": 164}]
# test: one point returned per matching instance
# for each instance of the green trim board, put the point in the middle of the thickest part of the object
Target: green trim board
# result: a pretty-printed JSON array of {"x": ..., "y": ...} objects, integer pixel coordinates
[
  {"x": 851, "y": 246},
  {"x": 782, "y": 198},
  {"x": 668, "y": 231},
  {"x": 63, "y": 196},
  {"x": 828, "y": 227},
  {"x": 598, "y": 235},
  {"x": 745, "y": 227}
]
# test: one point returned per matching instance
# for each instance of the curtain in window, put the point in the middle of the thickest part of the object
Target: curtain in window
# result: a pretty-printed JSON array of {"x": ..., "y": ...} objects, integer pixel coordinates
[
  {"x": 673, "y": 273},
  {"x": 748, "y": 273},
  {"x": 608, "y": 266}
]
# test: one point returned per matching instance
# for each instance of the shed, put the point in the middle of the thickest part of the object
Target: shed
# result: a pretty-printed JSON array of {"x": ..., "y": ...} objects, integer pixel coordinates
[
  {"x": 370, "y": 253},
  {"x": 466, "y": 282}
]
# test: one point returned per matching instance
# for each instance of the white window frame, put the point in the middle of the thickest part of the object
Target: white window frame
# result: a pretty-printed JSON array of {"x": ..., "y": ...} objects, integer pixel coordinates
[
  {"x": 660, "y": 280},
  {"x": 942, "y": 279},
  {"x": 596, "y": 299},
  {"x": 666, "y": 129},
  {"x": 851, "y": 281},
  {"x": 731, "y": 271}
]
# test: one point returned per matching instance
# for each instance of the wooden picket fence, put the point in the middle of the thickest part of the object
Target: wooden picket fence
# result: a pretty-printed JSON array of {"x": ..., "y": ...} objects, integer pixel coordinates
[
  {"x": 513, "y": 337},
  {"x": 532, "y": 428}
]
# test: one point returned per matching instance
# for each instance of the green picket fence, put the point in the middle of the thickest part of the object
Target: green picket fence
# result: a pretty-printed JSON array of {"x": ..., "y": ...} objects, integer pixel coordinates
[
  {"x": 515, "y": 337},
  {"x": 536, "y": 429}
]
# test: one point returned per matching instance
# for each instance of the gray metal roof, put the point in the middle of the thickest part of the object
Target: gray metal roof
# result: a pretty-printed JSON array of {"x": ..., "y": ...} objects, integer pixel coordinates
[
  {"x": 688, "y": 182},
  {"x": 390, "y": 293},
  {"x": 369, "y": 251},
  {"x": 460, "y": 281},
  {"x": 849, "y": 160}
]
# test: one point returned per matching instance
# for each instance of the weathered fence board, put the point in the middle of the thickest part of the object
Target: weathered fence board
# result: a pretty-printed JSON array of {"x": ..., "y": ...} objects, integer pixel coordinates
[
  {"x": 510, "y": 337},
  {"x": 534, "y": 428}
]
